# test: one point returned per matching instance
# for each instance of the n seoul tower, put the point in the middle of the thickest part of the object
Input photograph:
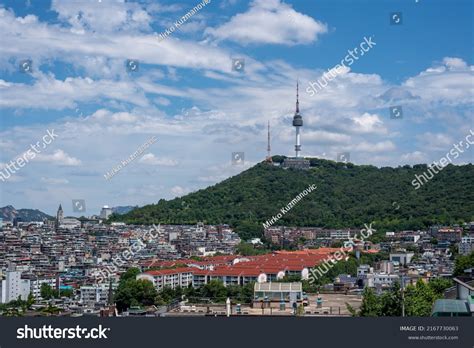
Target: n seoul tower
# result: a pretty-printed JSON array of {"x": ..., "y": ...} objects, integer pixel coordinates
[
  {"x": 297, "y": 123},
  {"x": 297, "y": 162}
]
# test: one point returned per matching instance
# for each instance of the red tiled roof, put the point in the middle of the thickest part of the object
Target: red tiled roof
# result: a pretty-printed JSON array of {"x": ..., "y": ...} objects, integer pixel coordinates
[
  {"x": 252, "y": 265},
  {"x": 170, "y": 271}
]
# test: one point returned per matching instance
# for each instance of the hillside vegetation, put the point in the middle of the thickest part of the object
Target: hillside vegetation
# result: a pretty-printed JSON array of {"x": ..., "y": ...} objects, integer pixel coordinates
[{"x": 347, "y": 195}]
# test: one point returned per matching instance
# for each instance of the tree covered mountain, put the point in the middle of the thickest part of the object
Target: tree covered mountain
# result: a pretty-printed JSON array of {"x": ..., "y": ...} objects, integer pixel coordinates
[
  {"x": 347, "y": 195},
  {"x": 8, "y": 213},
  {"x": 123, "y": 209}
]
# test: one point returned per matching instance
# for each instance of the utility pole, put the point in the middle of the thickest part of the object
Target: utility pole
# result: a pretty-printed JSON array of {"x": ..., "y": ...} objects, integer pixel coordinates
[{"x": 403, "y": 296}]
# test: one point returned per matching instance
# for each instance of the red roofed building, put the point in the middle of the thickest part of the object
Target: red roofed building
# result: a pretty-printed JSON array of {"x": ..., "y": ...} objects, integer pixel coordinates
[{"x": 238, "y": 270}]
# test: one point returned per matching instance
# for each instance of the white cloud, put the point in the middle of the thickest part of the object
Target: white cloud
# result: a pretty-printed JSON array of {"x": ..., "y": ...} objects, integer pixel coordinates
[
  {"x": 49, "y": 93},
  {"x": 54, "y": 181},
  {"x": 367, "y": 123},
  {"x": 435, "y": 141},
  {"x": 414, "y": 157},
  {"x": 58, "y": 157},
  {"x": 178, "y": 190},
  {"x": 151, "y": 159},
  {"x": 102, "y": 16},
  {"x": 455, "y": 63},
  {"x": 270, "y": 22},
  {"x": 44, "y": 43},
  {"x": 449, "y": 83},
  {"x": 382, "y": 146},
  {"x": 106, "y": 116},
  {"x": 320, "y": 136}
]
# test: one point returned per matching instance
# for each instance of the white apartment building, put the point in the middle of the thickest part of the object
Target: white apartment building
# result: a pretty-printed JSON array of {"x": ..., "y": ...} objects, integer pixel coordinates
[
  {"x": 387, "y": 267},
  {"x": 466, "y": 246},
  {"x": 340, "y": 234},
  {"x": 105, "y": 212},
  {"x": 384, "y": 280},
  {"x": 168, "y": 278},
  {"x": 402, "y": 258},
  {"x": 92, "y": 294},
  {"x": 13, "y": 287}
]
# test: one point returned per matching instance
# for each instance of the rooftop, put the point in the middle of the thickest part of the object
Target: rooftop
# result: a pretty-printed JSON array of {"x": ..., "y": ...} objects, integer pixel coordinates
[{"x": 278, "y": 287}]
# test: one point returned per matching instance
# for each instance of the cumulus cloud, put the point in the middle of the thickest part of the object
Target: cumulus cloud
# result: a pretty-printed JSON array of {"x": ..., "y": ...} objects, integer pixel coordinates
[
  {"x": 102, "y": 16},
  {"x": 270, "y": 22},
  {"x": 449, "y": 82},
  {"x": 58, "y": 157},
  {"x": 367, "y": 123}
]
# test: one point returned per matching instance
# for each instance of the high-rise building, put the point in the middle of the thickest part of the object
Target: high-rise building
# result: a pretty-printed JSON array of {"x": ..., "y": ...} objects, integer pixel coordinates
[
  {"x": 105, "y": 212},
  {"x": 13, "y": 287}
]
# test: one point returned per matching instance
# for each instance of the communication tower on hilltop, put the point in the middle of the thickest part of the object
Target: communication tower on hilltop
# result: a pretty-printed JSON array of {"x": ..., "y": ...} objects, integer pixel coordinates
[
  {"x": 269, "y": 156},
  {"x": 297, "y": 162}
]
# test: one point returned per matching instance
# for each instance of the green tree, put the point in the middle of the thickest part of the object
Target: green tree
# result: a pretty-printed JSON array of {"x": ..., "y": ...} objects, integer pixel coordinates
[
  {"x": 215, "y": 290},
  {"x": 131, "y": 273},
  {"x": 247, "y": 249},
  {"x": 133, "y": 292},
  {"x": 46, "y": 291},
  {"x": 370, "y": 306},
  {"x": 419, "y": 299},
  {"x": 462, "y": 263},
  {"x": 30, "y": 301},
  {"x": 391, "y": 302},
  {"x": 439, "y": 285}
]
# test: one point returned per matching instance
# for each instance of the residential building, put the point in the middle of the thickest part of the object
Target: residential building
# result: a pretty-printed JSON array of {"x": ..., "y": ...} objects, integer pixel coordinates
[
  {"x": 105, "y": 212},
  {"x": 95, "y": 294},
  {"x": 466, "y": 246},
  {"x": 14, "y": 287},
  {"x": 403, "y": 258},
  {"x": 169, "y": 278}
]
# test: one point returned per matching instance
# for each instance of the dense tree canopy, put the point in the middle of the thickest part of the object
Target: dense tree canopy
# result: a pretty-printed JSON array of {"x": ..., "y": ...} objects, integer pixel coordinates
[
  {"x": 347, "y": 195},
  {"x": 418, "y": 300}
]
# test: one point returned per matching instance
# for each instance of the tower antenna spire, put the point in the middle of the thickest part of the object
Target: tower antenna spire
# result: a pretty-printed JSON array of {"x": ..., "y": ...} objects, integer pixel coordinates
[
  {"x": 269, "y": 156},
  {"x": 297, "y": 97},
  {"x": 297, "y": 122}
]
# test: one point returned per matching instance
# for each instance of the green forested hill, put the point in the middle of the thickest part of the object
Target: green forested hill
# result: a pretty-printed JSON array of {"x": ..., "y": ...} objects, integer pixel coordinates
[{"x": 346, "y": 196}]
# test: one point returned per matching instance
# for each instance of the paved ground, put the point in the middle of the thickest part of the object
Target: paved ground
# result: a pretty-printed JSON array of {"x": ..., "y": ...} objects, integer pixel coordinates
[{"x": 334, "y": 304}]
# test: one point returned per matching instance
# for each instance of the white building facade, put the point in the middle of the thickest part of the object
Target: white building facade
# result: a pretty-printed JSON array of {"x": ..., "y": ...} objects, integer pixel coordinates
[{"x": 13, "y": 287}]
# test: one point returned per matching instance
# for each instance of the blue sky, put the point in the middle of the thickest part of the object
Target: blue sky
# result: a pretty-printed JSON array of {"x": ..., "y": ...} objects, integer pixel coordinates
[{"x": 187, "y": 95}]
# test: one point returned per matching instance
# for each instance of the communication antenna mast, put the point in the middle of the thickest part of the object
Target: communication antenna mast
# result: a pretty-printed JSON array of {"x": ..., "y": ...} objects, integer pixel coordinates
[{"x": 269, "y": 156}]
